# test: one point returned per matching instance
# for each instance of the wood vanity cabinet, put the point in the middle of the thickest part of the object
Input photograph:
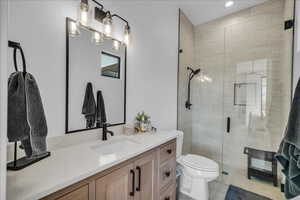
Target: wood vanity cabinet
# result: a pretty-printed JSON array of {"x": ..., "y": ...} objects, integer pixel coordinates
[
  {"x": 132, "y": 182},
  {"x": 115, "y": 185},
  {"x": 149, "y": 176}
]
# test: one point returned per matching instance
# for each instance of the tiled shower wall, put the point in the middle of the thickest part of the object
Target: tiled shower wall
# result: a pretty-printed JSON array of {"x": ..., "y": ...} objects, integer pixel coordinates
[{"x": 244, "y": 47}]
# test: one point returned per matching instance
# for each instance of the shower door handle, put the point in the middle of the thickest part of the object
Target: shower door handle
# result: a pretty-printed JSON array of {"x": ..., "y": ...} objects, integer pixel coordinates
[{"x": 228, "y": 125}]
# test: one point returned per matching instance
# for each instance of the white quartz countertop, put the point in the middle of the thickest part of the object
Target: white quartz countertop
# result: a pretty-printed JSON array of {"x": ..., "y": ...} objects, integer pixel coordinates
[{"x": 72, "y": 164}]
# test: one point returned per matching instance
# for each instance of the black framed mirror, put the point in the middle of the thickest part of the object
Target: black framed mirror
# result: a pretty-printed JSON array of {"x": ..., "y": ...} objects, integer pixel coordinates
[{"x": 93, "y": 67}]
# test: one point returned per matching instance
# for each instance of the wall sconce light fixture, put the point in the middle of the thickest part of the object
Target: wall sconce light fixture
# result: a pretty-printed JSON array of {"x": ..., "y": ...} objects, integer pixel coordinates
[
  {"x": 106, "y": 18},
  {"x": 107, "y": 21},
  {"x": 84, "y": 12}
]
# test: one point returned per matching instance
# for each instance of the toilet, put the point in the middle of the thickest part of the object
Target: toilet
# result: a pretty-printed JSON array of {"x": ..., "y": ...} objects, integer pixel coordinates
[{"x": 197, "y": 172}]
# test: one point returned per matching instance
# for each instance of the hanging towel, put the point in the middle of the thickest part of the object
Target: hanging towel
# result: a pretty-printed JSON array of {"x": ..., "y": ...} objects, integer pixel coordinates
[
  {"x": 26, "y": 118},
  {"x": 101, "y": 114},
  {"x": 36, "y": 143},
  {"x": 17, "y": 125},
  {"x": 89, "y": 106},
  {"x": 289, "y": 151}
]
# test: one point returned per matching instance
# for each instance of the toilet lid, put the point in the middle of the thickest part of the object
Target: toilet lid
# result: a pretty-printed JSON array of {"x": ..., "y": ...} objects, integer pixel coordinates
[{"x": 200, "y": 163}]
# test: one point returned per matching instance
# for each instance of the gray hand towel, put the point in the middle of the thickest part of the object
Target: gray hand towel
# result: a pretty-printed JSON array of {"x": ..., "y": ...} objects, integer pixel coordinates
[
  {"x": 36, "y": 118},
  {"x": 101, "y": 114},
  {"x": 89, "y": 106},
  {"x": 26, "y": 119},
  {"x": 289, "y": 151},
  {"x": 17, "y": 125}
]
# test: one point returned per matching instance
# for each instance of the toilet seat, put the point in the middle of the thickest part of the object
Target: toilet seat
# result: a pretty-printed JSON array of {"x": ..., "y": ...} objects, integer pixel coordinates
[{"x": 200, "y": 163}]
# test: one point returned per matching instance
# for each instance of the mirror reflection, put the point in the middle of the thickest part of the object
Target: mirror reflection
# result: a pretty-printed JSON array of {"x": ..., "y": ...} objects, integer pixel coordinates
[
  {"x": 110, "y": 65},
  {"x": 96, "y": 74}
]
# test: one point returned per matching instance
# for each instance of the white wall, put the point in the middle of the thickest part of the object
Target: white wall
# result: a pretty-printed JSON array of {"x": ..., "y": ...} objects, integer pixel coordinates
[
  {"x": 152, "y": 60},
  {"x": 3, "y": 96},
  {"x": 152, "y": 56}
]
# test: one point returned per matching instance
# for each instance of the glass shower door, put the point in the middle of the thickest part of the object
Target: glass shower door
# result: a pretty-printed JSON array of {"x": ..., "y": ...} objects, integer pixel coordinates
[{"x": 256, "y": 93}]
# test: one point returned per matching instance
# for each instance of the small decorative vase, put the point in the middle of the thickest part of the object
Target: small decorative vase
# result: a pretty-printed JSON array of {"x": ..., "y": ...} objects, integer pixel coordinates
[{"x": 143, "y": 126}]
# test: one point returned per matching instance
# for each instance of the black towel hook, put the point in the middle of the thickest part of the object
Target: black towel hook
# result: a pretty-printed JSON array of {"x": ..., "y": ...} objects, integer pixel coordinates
[{"x": 16, "y": 46}]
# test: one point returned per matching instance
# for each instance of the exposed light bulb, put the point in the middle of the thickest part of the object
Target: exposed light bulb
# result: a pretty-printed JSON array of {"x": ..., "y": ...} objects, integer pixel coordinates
[
  {"x": 73, "y": 29},
  {"x": 127, "y": 35},
  {"x": 116, "y": 45},
  {"x": 107, "y": 29},
  {"x": 229, "y": 4},
  {"x": 98, "y": 38},
  {"x": 107, "y": 21},
  {"x": 84, "y": 13},
  {"x": 84, "y": 17}
]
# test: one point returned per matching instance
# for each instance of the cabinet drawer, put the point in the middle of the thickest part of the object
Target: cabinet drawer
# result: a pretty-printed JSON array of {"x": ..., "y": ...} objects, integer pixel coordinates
[
  {"x": 169, "y": 193},
  {"x": 167, "y": 173},
  {"x": 168, "y": 151},
  {"x": 79, "y": 194}
]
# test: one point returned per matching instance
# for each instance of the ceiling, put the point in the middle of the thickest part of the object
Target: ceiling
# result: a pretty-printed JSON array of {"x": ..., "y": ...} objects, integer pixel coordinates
[{"x": 202, "y": 11}]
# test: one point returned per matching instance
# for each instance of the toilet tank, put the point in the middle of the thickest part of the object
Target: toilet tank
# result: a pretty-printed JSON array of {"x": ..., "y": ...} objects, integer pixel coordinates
[{"x": 179, "y": 141}]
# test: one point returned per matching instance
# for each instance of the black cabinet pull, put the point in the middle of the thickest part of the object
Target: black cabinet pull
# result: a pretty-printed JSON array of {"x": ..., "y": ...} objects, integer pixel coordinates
[
  {"x": 167, "y": 198},
  {"x": 228, "y": 124},
  {"x": 133, "y": 182},
  {"x": 138, "y": 188},
  {"x": 169, "y": 151},
  {"x": 168, "y": 174}
]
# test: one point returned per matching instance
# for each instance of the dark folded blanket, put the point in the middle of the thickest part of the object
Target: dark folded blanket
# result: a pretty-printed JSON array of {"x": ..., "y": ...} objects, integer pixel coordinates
[{"x": 289, "y": 151}]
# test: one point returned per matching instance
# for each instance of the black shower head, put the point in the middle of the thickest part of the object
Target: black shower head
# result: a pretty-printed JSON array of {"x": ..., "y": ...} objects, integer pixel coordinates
[
  {"x": 197, "y": 71},
  {"x": 194, "y": 72}
]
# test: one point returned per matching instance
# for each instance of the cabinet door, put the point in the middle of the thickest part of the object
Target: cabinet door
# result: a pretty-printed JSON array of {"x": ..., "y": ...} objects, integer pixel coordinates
[
  {"x": 146, "y": 177},
  {"x": 116, "y": 186},
  {"x": 78, "y": 194}
]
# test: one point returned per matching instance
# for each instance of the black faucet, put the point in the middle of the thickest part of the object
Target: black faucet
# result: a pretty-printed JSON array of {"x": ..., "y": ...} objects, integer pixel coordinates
[{"x": 105, "y": 131}]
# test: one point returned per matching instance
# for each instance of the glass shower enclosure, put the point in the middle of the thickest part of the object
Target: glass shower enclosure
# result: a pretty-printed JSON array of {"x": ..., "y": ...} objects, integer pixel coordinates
[{"x": 247, "y": 56}]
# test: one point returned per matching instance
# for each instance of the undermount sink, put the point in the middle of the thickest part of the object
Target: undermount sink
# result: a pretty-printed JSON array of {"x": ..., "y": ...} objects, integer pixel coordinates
[{"x": 119, "y": 145}]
